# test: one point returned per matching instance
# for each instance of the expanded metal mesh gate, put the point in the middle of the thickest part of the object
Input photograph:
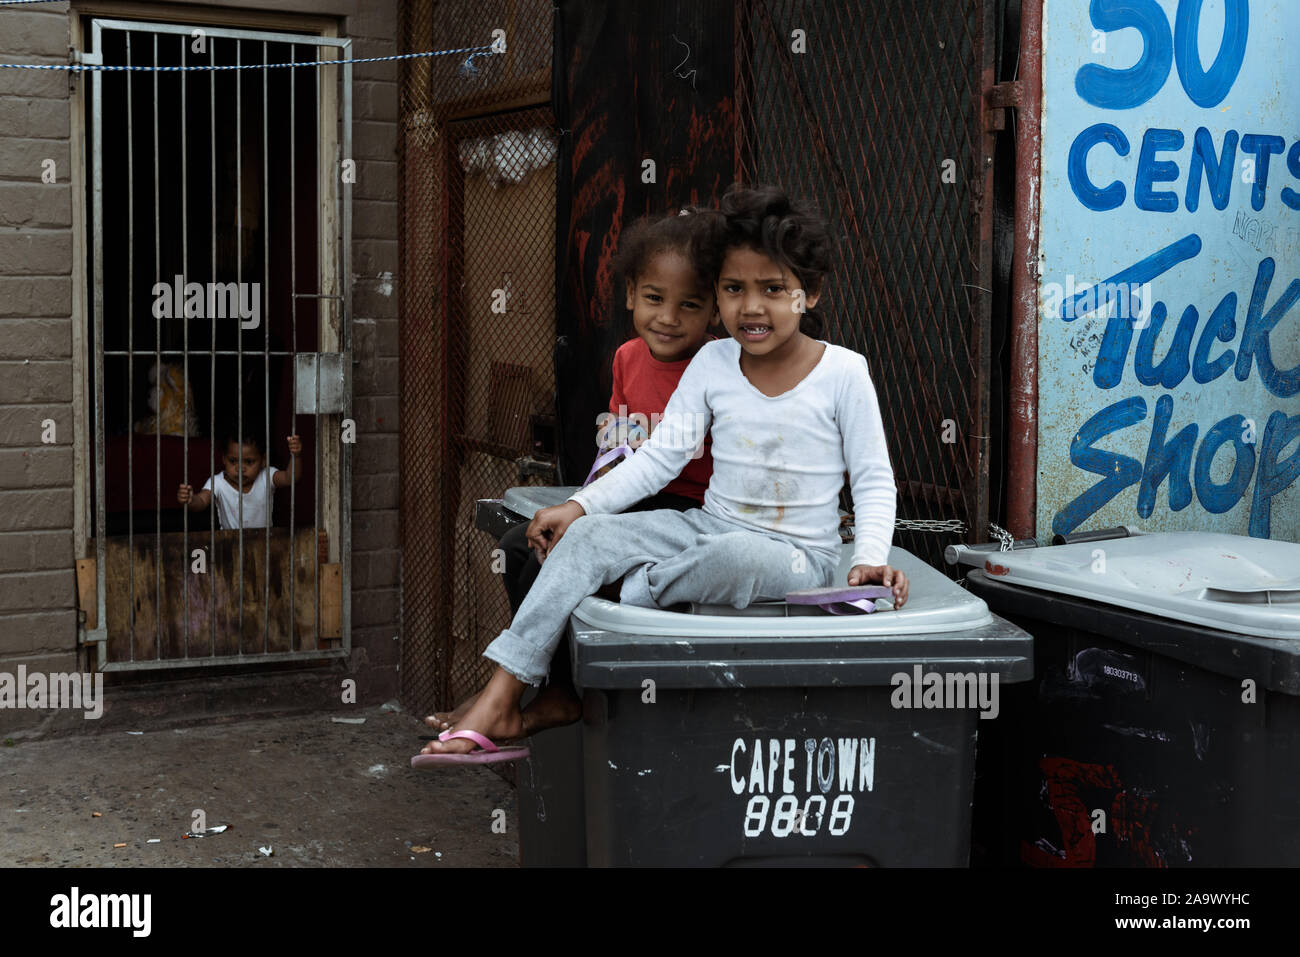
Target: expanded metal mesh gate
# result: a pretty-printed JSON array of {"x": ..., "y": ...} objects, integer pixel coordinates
[
  {"x": 875, "y": 112},
  {"x": 478, "y": 151}
]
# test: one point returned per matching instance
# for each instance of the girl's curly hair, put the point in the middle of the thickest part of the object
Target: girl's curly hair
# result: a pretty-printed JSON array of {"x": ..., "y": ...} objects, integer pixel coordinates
[
  {"x": 790, "y": 232},
  {"x": 681, "y": 232}
]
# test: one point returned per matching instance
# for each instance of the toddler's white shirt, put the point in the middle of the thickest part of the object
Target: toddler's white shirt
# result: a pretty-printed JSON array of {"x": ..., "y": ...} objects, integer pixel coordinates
[
  {"x": 778, "y": 462},
  {"x": 258, "y": 501}
]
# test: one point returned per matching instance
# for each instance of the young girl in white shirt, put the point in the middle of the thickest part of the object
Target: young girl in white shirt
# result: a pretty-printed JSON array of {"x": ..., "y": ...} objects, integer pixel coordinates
[{"x": 789, "y": 414}]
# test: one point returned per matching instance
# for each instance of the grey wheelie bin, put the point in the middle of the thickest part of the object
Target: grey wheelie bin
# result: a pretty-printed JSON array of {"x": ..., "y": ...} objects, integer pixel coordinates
[
  {"x": 1162, "y": 727},
  {"x": 773, "y": 735}
]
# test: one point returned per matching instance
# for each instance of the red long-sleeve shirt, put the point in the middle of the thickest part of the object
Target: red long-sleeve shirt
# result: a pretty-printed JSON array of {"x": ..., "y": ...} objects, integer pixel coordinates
[{"x": 644, "y": 384}]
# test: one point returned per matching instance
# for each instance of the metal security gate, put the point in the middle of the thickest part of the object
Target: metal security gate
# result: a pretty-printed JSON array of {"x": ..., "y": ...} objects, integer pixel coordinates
[
  {"x": 220, "y": 189},
  {"x": 478, "y": 192},
  {"x": 877, "y": 112}
]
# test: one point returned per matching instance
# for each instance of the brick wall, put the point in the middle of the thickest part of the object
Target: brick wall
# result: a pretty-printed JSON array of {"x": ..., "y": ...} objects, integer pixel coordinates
[
  {"x": 37, "y": 580},
  {"x": 38, "y": 625},
  {"x": 376, "y": 528}
]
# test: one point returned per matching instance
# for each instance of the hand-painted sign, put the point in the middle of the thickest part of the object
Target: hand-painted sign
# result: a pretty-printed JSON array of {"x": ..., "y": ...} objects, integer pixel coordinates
[{"x": 1169, "y": 331}]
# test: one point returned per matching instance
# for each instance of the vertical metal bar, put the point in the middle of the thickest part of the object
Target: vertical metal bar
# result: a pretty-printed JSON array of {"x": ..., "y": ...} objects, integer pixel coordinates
[
  {"x": 322, "y": 308},
  {"x": 212, "y": 363},
  {"x": 320, "y": 312},
  {"x": 345, "y": 292},
  {"x": 266, "y": 356},
  {"x": 1022, "y": 393},
  {"x": 97, "y": 201},
  {"x": 185, "y": 331},
  {"x": 293, "y": 321},
  {"x": 157, "y": 343},
  {"x": 130, "y": 344},
  {"x": 239, "y": 330}
]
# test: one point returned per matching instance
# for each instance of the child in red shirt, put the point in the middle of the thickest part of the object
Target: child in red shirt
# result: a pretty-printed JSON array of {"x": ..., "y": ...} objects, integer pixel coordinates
[
  {"x": 673, "y": 307},
  {"x": 642, "y": 384}
]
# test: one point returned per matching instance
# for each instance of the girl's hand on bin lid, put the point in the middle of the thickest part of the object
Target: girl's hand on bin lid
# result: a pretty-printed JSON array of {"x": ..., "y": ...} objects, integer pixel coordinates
[
  {"x": 549, "y": 525},
  {"x": 881, "y": 575}
]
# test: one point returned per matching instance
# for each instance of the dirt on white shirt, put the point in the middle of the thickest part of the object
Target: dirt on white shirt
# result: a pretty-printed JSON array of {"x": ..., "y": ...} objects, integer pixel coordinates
[
  {"x": 778, "y": 461},
  {"x": 258, "y": 500}
]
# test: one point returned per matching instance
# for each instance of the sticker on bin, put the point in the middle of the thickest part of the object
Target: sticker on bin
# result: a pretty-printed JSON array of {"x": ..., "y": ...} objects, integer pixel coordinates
[{"x": 797, "y": 788}]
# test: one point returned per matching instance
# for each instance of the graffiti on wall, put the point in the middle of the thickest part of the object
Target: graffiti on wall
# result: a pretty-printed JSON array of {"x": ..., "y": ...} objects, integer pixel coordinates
[{"x": 1169, "y": 346}]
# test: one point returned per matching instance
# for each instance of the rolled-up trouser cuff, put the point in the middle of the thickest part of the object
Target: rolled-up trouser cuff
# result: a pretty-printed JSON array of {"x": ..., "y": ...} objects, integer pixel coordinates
[{"x": 522, "y": 659}]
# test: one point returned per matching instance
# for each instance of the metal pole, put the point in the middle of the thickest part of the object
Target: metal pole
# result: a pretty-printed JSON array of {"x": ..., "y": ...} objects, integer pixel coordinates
[
  {"x": 293, "y": 321},
  {"x": 345, "y": 292},
  {"x": 130, "y": 347},
  {"x": 266, "y": 359},
  {"x": 980, "y": 295},
  {"x": 239, "y": 330},
  {"x": 97, "y": 200},
  {"x": 212, "y": 362},
  {"x": 185, "y": 331},
  {"x": 157, "y": 344},
  {"x": 320, "y": 314},
  {"x": 1022, "y": 393}
]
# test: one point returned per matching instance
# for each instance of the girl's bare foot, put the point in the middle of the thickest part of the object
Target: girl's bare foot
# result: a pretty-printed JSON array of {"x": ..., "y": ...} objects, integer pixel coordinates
[
  {"x": 556, "y": 706},
  {"x": 443, "y": 720},
  {"x": 494, "y": 714}
]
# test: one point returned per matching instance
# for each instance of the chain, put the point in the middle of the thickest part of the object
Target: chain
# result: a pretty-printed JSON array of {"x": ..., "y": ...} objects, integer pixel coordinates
[
  {"x": 216, "y": 67},
  {"x": 1003, "y": 536},
  {"x": 930, "y": 524}
]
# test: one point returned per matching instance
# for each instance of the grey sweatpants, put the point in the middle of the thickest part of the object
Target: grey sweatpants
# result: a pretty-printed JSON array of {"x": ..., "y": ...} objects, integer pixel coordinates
[{"x": 667, "y": 557}]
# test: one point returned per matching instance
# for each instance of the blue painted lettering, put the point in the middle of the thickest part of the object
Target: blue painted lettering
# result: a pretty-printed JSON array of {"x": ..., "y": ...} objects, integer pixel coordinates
[
  {"x": 1219, "y": 171},
  {"x": 1150, "y": 170},
  {"x": 1172, "y": 459},
  {"x": 1220, "y": 498},
  {"x": 1124, "y": 89},
  {"x": 1109, "y": 197},
  {"x": 1259, "y": 326},
  {"x": 1208, "y": 88}
]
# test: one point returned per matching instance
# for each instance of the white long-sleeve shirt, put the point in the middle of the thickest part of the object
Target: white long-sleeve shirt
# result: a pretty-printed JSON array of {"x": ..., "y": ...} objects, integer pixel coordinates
[{"x": 778, "y": 461}]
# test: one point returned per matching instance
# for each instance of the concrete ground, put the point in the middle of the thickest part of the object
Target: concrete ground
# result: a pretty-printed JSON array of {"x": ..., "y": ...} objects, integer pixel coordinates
[{"x": 316, "y": 792}]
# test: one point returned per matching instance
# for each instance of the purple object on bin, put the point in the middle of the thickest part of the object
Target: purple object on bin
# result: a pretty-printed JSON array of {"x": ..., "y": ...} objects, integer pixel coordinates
[{"x": 842, "y": 599}]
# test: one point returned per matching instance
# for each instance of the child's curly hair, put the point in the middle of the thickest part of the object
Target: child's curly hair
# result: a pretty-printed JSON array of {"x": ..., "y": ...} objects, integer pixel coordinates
[
  {"x": 683, "y": 232},
  {"x": 792, "y": 233},
  {"x": 230, "y": 436}
]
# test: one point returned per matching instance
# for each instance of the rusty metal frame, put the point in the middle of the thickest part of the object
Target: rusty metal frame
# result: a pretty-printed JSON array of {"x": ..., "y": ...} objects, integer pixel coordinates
[
  {"x": 983, "y": 142},
  {"x": 1022, "y": 394}
]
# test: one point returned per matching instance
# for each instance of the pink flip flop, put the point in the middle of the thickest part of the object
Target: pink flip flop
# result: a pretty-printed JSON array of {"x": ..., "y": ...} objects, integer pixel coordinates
[{"x": 486, "y": 753}]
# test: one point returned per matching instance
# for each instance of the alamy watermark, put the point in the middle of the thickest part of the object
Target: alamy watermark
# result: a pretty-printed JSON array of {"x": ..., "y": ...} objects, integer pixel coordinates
[
  {"x": 77, "y": 910},
  {"x": 214, "y": 300},
  {"x": 615, "y": 430},
  {"x": 38, "y": 690},
  {"x": 946, "y": 690},
  {"x": 1123, "y": 300}
]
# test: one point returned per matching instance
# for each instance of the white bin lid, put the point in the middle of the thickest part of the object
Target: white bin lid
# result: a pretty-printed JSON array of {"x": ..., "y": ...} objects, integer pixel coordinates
[
  {"x": 1229, "y": 582},
  {"x": 935, "y": 604},
  {"x": 525, "y": 500}
]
